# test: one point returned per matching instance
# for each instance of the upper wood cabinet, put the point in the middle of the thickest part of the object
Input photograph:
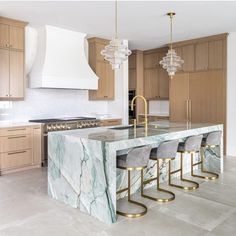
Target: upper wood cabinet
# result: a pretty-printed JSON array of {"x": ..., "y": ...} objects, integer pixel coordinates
[
  {"x": 12, "y": 81},
  {"x": 106, "y": 82},
  {"x": 156, "y": 79},
  {"x": 151, "y": 84},
  {"x": 201, "y": 56},
  {"x": 16, "y": 38},
  {"x": 216, "y": 54},
  {"x": 4, "y": 36},
  {"x": 150, "y": 60}
]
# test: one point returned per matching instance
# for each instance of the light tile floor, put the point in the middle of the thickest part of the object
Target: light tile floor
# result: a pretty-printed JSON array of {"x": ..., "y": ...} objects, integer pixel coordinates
[{"x": 26, "y": 210}]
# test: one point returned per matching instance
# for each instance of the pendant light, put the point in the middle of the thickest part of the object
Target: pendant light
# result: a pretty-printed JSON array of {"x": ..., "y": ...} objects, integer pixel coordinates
[
  {"x": 171, "y": 62},
  {"x": 116, "y": 52}
]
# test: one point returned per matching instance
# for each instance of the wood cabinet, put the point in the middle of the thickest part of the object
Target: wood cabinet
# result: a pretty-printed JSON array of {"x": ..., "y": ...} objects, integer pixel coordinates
[
  {"x": 12, "y": 79},
  {"x": 151, "y": 91},
  {"x": 111, "y": 122},
  {"x": 198, "y": 97},
  {"x": 136, "y": 82},
  {"x": 216, "y": 54},
  {"x": 20, "y": 148},
  {"x": 201, "y": 56},
  {"x": 179, "y": 95},
  {"x": 152, "y": 118},
  {"x": 106, "y": 82},
  {"x": 156, "y": 79}
]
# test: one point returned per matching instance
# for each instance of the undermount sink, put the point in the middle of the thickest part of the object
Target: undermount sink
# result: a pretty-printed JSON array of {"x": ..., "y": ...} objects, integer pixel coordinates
[{"x": 127, "y": 127}]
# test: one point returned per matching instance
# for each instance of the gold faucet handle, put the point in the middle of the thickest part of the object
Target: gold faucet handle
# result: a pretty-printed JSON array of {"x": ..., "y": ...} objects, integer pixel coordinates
[{"x": 135, "y": 122}]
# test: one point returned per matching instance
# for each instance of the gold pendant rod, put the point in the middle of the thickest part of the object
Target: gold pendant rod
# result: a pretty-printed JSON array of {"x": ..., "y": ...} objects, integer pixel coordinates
[{"x": 116, "y": 19}]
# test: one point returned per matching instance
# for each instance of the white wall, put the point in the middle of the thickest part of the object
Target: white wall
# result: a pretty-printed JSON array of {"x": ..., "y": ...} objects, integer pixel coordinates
[
  {"x": 231, "y": 94},
  {"x": 159, "y": 107},
  {"x": 46, "y": 103}
]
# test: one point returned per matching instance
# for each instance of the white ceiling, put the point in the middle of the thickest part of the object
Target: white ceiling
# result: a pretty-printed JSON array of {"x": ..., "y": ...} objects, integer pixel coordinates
[{"x": 143, "y": 23}]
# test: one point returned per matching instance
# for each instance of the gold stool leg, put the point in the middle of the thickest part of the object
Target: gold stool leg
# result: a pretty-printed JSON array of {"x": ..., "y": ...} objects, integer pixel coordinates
[
  {"x": 158, "y": 188},
  {"x": 213, "y": 175},
  {"x": 133, "y": 215},
  {"x": 195, "y": 184}
]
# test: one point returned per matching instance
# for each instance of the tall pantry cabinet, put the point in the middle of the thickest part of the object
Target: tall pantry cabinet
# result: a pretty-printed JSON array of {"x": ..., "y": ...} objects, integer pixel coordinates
[
  {"x": 198, "y": 90},
  {"x": 12, "y": 39}
]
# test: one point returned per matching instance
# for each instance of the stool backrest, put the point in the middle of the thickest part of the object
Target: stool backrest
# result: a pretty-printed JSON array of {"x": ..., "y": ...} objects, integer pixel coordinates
[
  {"x": 214, "y": 138},
  {"x": 167, "y": 149},
  {"x": 138, "y": 156},
  {"x": 193, "y": 143}
]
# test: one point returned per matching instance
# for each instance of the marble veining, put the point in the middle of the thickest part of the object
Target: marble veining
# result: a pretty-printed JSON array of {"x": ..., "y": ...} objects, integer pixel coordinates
[{"x": 82, "y": 163}]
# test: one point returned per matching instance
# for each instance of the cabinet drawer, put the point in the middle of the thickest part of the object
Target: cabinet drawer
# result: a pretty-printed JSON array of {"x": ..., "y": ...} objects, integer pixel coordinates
[
  {"x": 15, "y": 159},
  {"x": 111, "y": 122},
  {"x": 15, "y": 131},
  {"x": 16, "y": 142}
]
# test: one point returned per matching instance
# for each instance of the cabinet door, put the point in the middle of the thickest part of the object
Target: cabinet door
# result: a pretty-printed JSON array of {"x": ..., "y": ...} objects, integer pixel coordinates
[
  {"x": 16, "y": 38},
  {"x": 188, "y": 57},
  {"x": 151, "y": 60},
  {"x": 216, "y": 54},
  {"x": 99, "y": 48},
  {"x": 110, "y": 82},
  {"x": 201, "y": 56},
  {"x": 163, "y": 81},
  {"x": 37, "y": 145},
  {"x": 4, "y": 36},
  {"x": 16, "y": 74},
  {"x": 4, "y": 73},
  {"x": 207, "y": 96},
  {"x": 179, "y": 52},
  {"x": 179, "y": 95},
  {"x": 132, "y": 79},
  {"x": 151, "y": 84},
  {"x": 101, "y": 73}
]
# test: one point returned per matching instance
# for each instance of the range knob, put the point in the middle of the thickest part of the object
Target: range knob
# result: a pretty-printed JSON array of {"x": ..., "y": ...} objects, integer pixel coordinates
[
  {"x": 49, "y": 128},
  {"x": 54, "y": 127}
]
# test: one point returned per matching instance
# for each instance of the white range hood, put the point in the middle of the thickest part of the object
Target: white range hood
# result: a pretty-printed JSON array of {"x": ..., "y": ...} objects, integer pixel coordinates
[{"x": 60, "y": 61}]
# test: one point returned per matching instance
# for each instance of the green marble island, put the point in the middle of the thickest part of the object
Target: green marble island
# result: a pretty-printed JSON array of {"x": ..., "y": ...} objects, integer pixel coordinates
[{"x": 82, "y": 163}]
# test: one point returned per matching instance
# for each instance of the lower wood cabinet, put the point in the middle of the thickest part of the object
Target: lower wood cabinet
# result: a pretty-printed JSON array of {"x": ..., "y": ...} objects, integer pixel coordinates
[
  {"x": 111, "y": 122},
  {"x": 20, "y": 148}
]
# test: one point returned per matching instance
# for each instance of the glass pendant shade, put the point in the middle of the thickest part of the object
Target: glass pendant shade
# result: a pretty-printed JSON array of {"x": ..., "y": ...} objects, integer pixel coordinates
[
  {"x": 116, "y": 53},
  {"x": 171, "y": 62}
]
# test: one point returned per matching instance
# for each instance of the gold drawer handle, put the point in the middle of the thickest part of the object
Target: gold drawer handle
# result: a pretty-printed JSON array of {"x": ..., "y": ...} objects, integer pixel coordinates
[
  {"x": 17, "y": 137},
  {"x": 12, "y": 153},
  {"x": 15, "y": 129}
]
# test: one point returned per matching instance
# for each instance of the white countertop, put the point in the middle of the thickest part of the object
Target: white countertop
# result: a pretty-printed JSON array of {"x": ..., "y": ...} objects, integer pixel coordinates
[{"x": 10, "y": 124}]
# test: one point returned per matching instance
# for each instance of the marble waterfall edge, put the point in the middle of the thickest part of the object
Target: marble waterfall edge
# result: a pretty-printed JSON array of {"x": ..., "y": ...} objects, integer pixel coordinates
[{"x": 82, "y": 165}]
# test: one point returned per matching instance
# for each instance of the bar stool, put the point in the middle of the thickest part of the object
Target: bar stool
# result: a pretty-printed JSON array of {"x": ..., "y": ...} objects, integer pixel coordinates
[
  {"x": 166, "y": 151},
  {"x": 191, "y": 146},
  {"x": 210, "y": 141},
  {"x": 136, "y": 159}
]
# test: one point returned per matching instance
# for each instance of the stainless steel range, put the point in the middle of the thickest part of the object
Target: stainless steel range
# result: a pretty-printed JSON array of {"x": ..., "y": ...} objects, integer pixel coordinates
[{"x": 67, "y": 123}]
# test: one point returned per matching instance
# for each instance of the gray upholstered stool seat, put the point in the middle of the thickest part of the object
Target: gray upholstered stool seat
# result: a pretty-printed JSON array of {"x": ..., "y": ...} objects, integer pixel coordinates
[
  {"x": 210, "y": 140},
  {"x": 191, "y": 145},
  {"x": 166, "y": 151},
  {"x": 135, "y": 159}
]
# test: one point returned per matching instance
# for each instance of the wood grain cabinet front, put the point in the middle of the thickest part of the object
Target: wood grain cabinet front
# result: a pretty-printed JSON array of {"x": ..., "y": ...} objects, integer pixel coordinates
[
  {"x": 12, "y": 81},
  {"x": 106, "y": 82},
  {"x": 20, "y": 148}
]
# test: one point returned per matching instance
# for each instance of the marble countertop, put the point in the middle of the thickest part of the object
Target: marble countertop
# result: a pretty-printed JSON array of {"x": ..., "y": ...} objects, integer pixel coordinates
[
  {"x": 156, "y": 114},
  {"x": 11, "y": 124},
  {"x": 108, "y": 134}
]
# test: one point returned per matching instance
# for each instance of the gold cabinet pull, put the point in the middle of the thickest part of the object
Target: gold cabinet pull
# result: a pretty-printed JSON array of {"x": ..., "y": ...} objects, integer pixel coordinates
[
  {"x": 18, "y": 152},
  {"x": 16, "y": 137},
  {"x": 15, "y": 129},
  {"x": 187, "y": 110},
  {"x": 190, "y": 110}
]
